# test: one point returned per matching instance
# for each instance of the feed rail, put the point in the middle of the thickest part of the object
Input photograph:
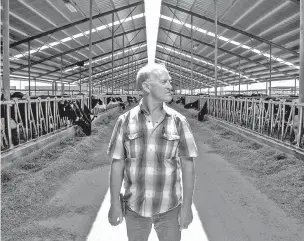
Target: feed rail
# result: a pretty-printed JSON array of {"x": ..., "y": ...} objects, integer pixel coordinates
[
  {"x": 27, "y": 120},
  {"x": 27, "y": 127},
  {"x": 281, "y": 121}
]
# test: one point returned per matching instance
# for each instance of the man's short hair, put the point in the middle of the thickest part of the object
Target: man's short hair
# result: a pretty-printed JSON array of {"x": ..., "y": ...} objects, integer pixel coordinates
[{"x": 147, "y": 71}]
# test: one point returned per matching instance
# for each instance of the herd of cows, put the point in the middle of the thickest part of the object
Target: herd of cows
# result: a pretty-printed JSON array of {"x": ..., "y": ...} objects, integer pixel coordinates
[
  {"x": 287, "y": 111},
  {"x": 27, "y": 118},
  {"x": 258, "y": 112}
]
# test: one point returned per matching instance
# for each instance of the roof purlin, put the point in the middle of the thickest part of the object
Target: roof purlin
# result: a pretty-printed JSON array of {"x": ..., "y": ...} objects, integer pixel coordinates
[
  {"x": 231, "y": 28},
  {"x": 74, "y": 64},
  {"x": 76, "y": 49},
  {"x": 73, "y": 24}
]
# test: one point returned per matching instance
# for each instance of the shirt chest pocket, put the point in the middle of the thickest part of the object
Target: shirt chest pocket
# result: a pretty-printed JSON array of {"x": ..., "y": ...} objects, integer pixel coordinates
[
  {"x": 134, "y": 144},
  {"x": 170, "y": 144}
]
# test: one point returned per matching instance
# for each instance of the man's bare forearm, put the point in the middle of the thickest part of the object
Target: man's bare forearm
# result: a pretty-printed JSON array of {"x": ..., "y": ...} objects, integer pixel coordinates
[
  {"x": 188, "y": 178},
  {"x": 116, "y": 177}
]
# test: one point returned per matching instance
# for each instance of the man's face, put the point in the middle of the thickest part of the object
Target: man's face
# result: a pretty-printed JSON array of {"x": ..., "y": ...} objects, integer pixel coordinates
[{"x": 161, "y": 87}]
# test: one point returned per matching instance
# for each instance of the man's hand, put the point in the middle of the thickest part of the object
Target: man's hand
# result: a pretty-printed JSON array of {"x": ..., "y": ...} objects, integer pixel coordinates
[
  {"x": 115, "y": 214},
  {"x": 185, "y": 217}
]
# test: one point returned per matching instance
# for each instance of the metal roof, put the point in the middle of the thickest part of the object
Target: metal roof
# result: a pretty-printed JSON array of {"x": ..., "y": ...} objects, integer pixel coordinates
[
  {"x": 246, "y": 31},
  {"x": 54, "y": 31}
]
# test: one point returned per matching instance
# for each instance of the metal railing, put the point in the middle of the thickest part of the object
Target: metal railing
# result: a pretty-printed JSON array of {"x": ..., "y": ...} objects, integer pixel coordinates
[
  {"x": 281, "y": 121},
  {"x": 23, "y": 121}
]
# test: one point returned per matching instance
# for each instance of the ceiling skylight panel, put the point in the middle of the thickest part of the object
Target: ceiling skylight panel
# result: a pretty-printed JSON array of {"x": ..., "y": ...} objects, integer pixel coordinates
[
  {"x": 152, "y": 16},
  {"x": 200, "y": 60},
  {"x": 65, "y": 39},
  {"x": 225, "y": 39},
  {"x": 78, "y": 35}
]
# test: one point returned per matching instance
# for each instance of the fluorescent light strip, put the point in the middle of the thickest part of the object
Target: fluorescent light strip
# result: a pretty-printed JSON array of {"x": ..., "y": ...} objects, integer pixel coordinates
[
  {"x": 79, "y": 35},
  {"x": 200, "y": 60},
  {"x": 116, "y": 68},
  {"x": 230, "y": 41},
  {"x": 188, "y": 70},
  {"x": 105, "y": 80},
  {"x": 25, "y": 77},
  {"x": 106, "y": 57},
  {"x": 202, "y": 75}
]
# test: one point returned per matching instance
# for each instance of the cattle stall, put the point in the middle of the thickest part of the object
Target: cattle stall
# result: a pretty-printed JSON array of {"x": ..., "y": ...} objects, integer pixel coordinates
[
  {"x": 281, "y": 121},
  {"x": 26, "y": 120},
  {"x": 23, "y": 121}
]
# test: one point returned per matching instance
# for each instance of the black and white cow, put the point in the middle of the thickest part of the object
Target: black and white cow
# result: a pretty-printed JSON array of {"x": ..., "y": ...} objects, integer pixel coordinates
[
  {"x": 181, "y": 100},
  {"x": 192, "y": 105},
  {"x": 203, "y": 111}
]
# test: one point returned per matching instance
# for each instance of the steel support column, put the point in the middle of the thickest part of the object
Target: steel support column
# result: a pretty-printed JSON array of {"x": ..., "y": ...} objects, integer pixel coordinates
[
  {"x": 266, "y": 87},
  {"x": 191, "y": 54},
  {"x": 239, "y": 76},
  {"x": 80, "y": 80},
  {"x": 301, "y": 79},
  {"x": 123, "y": 57},
  {"x": 135, "y": 87},
  {"x": 180, "y": 63},
  {"x": 54, "y": 87},
  {"x": 61, "y": 66},
  {"x": 29, "y": 66},
  {"x": 112, "y": 50},
  {"x": 128, "y": 75},
  {"x": 90, "y": 58},
  {"x": 132, "y": 83},
  {"x": 215, "y": 49},
  {"x": 100, "y": 85},
  {"x": 1, "y": 79},
  {"x": 6, "y": 63},
  {"x": 270, "y": 68}
]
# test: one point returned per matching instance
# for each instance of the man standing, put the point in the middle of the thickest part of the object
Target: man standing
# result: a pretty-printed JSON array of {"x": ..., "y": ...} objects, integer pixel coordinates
[{"x": 150, "y": 145}]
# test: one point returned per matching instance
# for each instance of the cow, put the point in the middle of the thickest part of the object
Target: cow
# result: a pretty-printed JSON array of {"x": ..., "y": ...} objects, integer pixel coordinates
[
  {"x": 203, "y": 112},
  {"x": 111, "y": 102},
  {"x": 192, "y": 105},
  {"x": 291, "y": 116},
  {"x": 276, "y": 106},
  {"x": 98, "y": 106},
  {"x": 4, "y": 127},
  {"x": 83, "y": 117},
  {"x": 12, "y": 121},
  {"x": 131, "y": 99},
  {"x": 122, "y": 105},
  {"x": 68, "y": 112},
  {"x": 17, "y": 119},
  {"x": 181, "y": 100}
]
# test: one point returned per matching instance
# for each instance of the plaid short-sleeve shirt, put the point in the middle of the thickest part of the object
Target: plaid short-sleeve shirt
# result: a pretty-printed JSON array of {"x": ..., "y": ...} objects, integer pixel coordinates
[{"x": 152, "y": 158}]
